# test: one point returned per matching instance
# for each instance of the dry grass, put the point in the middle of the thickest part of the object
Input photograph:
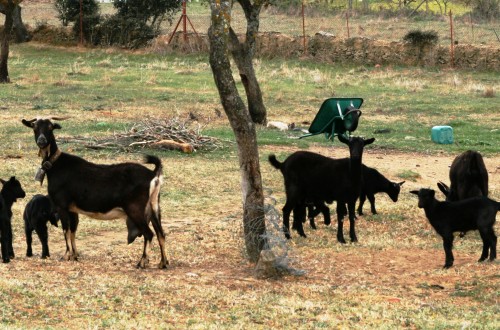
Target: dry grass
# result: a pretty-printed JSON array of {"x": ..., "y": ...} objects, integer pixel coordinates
[{"x": 391, "y": 279}]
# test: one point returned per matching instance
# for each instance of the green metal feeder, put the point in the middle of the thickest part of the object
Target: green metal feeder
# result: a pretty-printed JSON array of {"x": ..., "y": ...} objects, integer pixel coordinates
[{"x": 337, "y": 116}]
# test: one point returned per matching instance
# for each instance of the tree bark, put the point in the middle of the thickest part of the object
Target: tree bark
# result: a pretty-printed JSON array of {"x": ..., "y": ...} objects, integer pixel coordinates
[
  {"x": 243, "y": 128},
  {"x": 20, "y": 30},
  {"x": 4, "y": 48},
  {"x": 243, "y": 53}
]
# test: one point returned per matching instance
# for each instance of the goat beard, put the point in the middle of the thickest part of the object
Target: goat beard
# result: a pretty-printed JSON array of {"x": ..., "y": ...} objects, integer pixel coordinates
[{"x": 44, "y": 152}]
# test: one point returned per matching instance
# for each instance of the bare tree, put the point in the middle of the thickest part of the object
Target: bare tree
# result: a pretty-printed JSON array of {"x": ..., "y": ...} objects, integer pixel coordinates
[
  {"x": 9, "y": 6},
  {"x": 242, "y": 125}
]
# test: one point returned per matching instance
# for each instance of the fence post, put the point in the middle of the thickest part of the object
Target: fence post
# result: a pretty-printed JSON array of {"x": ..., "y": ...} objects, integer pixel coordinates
[
  {"x": 304, "y": 29},
  {"x": 452, "y": 45},
  {"x": 81, "y": 22},
  {"x": 347, "y": 22}
]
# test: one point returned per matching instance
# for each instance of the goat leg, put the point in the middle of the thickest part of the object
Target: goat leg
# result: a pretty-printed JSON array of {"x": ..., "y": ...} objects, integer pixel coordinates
[
  {"x": 287, "y": 209},
  {"x": 340, "y": 228},
  {"x": 299, "y": 214},
  {"x": 493, "y": 245},
  {"x": 144, "y": 261},
  {"x": 43, "y": 236},
  {"x": 352, "y": 221},
  {"x": 371, "y": 198},
  {"x": 29, "y": 240},
  {"x": 447, "y": 245}
]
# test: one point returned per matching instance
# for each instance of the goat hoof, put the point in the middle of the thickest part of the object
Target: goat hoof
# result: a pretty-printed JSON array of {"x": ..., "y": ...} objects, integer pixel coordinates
[
  {"x": 303, "y": 235},
  {"x": 162, "y": 265},
  {"x": 143, "y": 263},
  {"x": 341, "y": 240}
]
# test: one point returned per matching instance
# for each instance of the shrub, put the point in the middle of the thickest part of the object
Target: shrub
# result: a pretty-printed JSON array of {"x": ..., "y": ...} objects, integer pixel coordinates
[
  {"x": 421, "y": 39},
  {"x": 69, "y": 10}
]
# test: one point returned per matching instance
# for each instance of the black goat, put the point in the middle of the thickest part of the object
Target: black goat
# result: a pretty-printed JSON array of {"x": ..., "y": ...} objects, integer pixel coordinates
[
  {"x": 313, "y": 178},
  {"x": 476, "y": 213},
  {"x": 11, "y": 191},
  {"x": 373, "y": 182},
  {"x": 37, "y": 213},
  {"x": 468, "y": 177},
  {"x": 125, "y": 190}
]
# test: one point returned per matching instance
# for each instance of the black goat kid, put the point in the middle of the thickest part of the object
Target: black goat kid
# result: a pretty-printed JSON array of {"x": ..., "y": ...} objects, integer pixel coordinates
[
  {"x": 313, "y": 178},
  {"x": 37, "y": 213},
  {"x": 11, "y": 191},
  {"x": 373, "y": 183},
  {"x": 125, "y": 190},
  {"x": 477, "y": 213}
]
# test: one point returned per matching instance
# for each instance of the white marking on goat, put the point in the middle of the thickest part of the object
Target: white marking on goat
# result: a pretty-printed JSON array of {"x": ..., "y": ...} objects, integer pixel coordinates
[
  {"x": 154, "y": 192},
  {"x": 113, "y": 214}
]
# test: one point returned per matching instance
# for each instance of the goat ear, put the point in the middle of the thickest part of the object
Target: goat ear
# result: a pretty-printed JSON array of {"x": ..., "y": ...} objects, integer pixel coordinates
[
  {"x": 3, "y": 181},
  {"x": 444, "y": 188},
  {"x": 56, "y": 126},
  {"x": 414, "y": 192},
  {"x": 343, "y": 139},
  {"x": 28, "y": 123},
  {"x": 368, "y": 141},
  {"x": 400, "y": 183}
]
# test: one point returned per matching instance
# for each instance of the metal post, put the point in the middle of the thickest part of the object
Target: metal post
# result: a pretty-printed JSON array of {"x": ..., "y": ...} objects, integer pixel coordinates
[
  {"x": 184, "y": 15},
  {"x": 347, "y": 20},
  {"x": 304, "y": 29},
  {"x": 452, "y": 45}
]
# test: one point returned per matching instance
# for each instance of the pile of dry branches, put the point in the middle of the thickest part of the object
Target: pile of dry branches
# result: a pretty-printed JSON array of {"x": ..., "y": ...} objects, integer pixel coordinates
[{"x": 161, "y": 134}]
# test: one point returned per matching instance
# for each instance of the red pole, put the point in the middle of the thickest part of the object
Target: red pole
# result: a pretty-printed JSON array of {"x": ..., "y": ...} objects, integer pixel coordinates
[
  {"x": 452, "y": 45},
  {"x": 303, "y": 29},
  {"x": 184, "y": 15}
]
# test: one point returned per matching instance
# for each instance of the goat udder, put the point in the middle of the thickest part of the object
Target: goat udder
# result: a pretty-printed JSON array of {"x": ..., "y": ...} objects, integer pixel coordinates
[{"x": 115, "y": 213}]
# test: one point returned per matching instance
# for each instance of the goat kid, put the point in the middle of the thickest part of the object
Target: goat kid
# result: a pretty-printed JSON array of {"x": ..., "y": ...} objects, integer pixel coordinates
[
  {"x": 124, "y": 190},
  {"x": 477, "y": 213},
  {"x": 313, "y": 178},
  {"x": 11, "y": 191},
  {"x": 373, "y": 183},
  {"x": 37, "y": 213}
]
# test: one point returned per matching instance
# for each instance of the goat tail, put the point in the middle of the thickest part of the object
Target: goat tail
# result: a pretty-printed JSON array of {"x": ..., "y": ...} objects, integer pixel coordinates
[
  {"x": 153, "y": 211},
  {"x": 274, "y": 162},
  {"x": 149, "y": 159}
]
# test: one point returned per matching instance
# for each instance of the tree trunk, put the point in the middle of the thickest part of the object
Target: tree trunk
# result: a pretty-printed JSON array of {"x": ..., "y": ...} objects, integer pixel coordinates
[
  {"x": 22, "y": 34},
  {"x": 242, "y": 56},
  {"x": 4, "y": 48},
  {"x": 243, "y": 53},
  {"x": 243, "y": 127}
]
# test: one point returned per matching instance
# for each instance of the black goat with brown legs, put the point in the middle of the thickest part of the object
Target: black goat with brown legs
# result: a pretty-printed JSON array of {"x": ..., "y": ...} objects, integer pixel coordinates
[{"x": 124, "y": 190}]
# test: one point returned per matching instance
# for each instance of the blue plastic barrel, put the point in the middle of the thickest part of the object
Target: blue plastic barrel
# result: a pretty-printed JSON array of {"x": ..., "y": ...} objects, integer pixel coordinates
[{"x": 442, "y": 134}]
